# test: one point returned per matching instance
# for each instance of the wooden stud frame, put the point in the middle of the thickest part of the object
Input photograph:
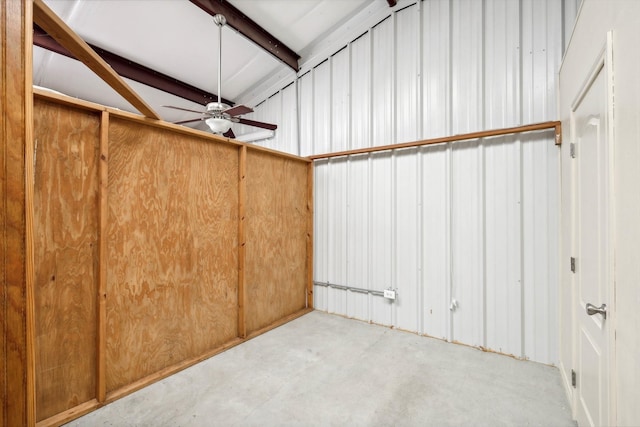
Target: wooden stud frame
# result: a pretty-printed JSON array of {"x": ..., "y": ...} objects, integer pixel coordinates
[
  {"x": 102, "y": 258},
  {"x": 17, "y": 360},
  {"x": 242, "y": 252},
  {"x": 105, "y": 154}
]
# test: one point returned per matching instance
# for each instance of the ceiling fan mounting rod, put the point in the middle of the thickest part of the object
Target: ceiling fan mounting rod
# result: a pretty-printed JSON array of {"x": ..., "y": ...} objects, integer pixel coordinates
[{"x": 220, "y": 21}]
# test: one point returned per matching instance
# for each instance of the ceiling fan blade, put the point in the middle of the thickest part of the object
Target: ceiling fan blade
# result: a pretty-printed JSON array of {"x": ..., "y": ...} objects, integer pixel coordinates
[
  {"x": 229, "y": 134},
  {"x": 238, "y": 110},
  {"x": 184, "y": 109},
  {"x": 190, "y": 121},
  {"x": 262, "y": 125}
]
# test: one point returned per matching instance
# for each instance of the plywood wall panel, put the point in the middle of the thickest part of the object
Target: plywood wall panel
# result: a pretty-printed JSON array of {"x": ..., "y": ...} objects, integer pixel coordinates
[
  {"x": 172, "y": 275},
  {"x": 66, "y": 244},
  {"x": 276, "y": 234}
]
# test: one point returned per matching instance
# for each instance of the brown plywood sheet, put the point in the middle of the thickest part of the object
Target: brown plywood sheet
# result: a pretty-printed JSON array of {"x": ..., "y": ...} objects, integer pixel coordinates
[
  {"x": 66, "y": 245},
  {"x": 276, "y": 236},
  {"x": 172, "y": 274}
]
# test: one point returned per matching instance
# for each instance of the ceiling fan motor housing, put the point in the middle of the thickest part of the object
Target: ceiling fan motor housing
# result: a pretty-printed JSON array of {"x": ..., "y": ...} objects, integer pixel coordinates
[{"x": 216, "y": 108}]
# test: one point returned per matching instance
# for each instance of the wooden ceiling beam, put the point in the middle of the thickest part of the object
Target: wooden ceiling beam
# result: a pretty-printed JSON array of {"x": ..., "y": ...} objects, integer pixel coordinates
[
  {"x": 54, "y": 26},
  {"x": 247, "y": 27},
  {"x": 134, "y": 71}
]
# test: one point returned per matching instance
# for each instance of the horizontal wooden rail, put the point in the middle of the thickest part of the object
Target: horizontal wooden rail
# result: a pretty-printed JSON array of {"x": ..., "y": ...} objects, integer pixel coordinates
[
  {"x": 454, "y": 138},
  {"x": 59, "y": 98}
]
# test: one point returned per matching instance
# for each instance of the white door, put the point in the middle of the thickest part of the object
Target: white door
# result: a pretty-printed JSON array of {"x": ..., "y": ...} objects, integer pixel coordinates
[{"x": 592, "y": 245}]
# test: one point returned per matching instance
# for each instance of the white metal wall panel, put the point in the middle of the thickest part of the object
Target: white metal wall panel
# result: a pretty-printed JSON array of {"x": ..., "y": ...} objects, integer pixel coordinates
[
  {"x": 540, "y": 248},
  {"x": 287, "y": 132},
  {"x": 436, "y": 80},
  {"x": 337, "y": 241},
  {"x": 406, "y": 246},
  {"x": 380, "y": 251},
  {"x": 466, "y": 65},
  {"x": 475, "y": 222},
  {"x": 361, "y": 92},
  {"x": 306, "y": 121},
  {"x": 320, "y": 233},
  {"x": 358, "y": 236},
  {"x": 407, "y": 72},
  {"x": 541, "y": 56},
  {"x": 569, "y": 13},
  {"x": 467, "y": 270},
  {"x": 503, "y": 284},
  {"x": 502, "y": 246},
  {"x": 322, "y": 108},
  {"x": 340, "y": 105},
  {"x": 382, "y": 75},
  {"x": 435, "y": 262},
  {"x": 502, "y": 64},
  {"x": 271, "y": 111}
]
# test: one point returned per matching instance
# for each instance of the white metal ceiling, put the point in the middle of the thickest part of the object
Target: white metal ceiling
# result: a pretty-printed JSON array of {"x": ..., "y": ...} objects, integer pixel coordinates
[{"x": 176, "y": 38}]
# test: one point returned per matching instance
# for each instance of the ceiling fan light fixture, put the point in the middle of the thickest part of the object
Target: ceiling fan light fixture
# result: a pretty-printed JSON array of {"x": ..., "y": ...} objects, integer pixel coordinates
[{"x": 218, "y": 125}]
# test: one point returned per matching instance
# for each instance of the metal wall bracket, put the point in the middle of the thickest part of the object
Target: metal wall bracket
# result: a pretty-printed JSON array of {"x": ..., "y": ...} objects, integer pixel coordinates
[{"x": 573, "y": 265}]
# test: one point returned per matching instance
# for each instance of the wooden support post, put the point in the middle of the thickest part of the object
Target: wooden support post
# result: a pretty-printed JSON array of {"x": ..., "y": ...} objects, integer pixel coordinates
[
  {"x": 242, "y": 196},
  {"x": 310, "y": 235},
  {"x": 103, "y": 171},
  {"x": 17, "y": 365}
]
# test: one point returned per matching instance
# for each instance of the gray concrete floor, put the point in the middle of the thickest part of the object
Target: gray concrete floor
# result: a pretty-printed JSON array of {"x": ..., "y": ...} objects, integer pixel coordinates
[{"x": 323, "y": 369}]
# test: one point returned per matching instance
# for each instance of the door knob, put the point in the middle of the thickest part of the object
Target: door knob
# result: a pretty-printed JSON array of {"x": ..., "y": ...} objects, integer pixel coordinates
[{"x": 592, "y": 309}]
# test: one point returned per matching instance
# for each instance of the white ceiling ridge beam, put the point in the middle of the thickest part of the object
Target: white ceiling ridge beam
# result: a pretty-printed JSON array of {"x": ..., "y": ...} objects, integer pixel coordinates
[
  {"x": 63, "y": 34},
  {"x": 316, "y": 53}
]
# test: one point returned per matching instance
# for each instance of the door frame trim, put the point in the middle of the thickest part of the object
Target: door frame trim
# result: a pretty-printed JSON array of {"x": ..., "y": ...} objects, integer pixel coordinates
[{"x": 604, "y": 62}]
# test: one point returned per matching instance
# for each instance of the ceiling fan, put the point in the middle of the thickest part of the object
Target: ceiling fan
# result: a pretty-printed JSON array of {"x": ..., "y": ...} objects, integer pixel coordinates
[{"x": 219, "y": 116}]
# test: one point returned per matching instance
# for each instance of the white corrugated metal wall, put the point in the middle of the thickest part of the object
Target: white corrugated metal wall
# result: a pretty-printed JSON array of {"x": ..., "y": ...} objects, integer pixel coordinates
[{"x": 467, "y": 232}]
